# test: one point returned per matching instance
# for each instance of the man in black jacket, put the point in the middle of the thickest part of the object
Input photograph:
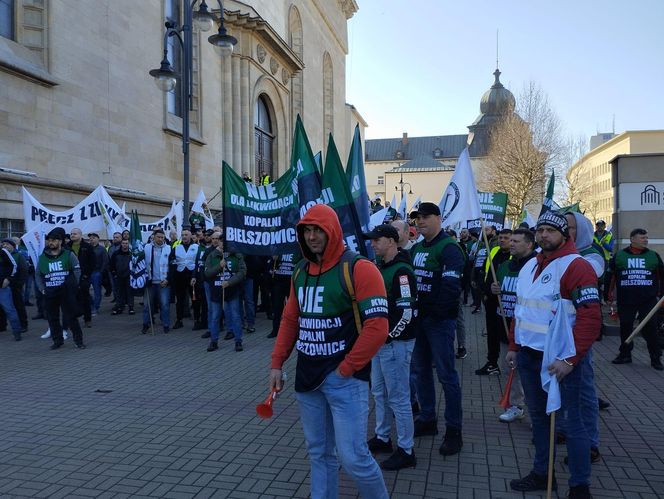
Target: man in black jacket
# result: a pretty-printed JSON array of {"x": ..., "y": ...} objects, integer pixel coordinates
[
  {"x": 16, "y": 283},
  {"x": 8, "y": 270},
  {"x": 86, "y": 260},
  {"x": 119, "y": 268}
]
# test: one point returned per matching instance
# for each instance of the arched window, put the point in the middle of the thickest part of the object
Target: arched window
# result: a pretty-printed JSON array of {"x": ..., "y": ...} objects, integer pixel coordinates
[
  {"x": 328, "y": 98},
  {"x": 263, "y": 139},
  {"x": 297, "y": 44}
]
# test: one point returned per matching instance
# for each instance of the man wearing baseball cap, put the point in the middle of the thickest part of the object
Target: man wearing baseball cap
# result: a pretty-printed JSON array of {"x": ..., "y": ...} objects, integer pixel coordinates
[
  {"x": 390, "y": 367},
  {"x": 438, "y": 261},
  {"x": 57, "y": 277},
  {"x": 557, "y": 281}
]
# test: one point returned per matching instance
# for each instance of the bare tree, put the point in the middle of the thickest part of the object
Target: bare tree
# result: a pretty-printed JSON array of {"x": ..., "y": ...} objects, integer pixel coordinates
[
  {"x": 575, "y": 188},
  {"x": 525, "y": 146}
]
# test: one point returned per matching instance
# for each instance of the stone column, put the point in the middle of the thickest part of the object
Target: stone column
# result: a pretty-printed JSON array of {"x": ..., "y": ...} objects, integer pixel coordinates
[
  {"x": 226, "y": 111},
  {"x": 246, "y": 113},
  {"x": 237, "y": 120}
]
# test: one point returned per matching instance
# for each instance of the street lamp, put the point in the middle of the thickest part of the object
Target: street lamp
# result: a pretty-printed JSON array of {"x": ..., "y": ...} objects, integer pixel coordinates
[
  {"x": 402, "y": 183},
  {"x": 166, "y": 78}
]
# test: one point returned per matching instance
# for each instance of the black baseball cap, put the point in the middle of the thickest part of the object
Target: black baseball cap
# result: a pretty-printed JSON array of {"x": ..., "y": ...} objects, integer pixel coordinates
[
  {"x": 384, "y": 230},
  {"x": 427, "y": 209}
]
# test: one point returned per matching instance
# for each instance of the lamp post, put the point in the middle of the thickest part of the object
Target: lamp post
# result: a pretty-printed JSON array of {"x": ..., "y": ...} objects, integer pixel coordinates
[
  {"x": 166, "y": 78},
  {"x": 402, "y": 183}
]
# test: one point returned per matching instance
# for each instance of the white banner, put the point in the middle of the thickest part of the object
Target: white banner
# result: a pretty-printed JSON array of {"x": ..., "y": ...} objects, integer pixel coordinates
[{"x": 96, "y": 213}]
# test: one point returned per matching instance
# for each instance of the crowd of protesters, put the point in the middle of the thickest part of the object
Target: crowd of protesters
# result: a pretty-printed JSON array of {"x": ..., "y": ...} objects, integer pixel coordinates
[{"x": 408, "y": 307}]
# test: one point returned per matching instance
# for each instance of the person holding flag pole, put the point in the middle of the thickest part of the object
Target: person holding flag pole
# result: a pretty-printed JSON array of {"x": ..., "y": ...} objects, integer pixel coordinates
[{"x": 557, "y": 319}]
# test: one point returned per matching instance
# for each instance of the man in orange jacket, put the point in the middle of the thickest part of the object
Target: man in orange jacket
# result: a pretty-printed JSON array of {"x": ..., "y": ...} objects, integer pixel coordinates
[{"x": 335, "y": 335}]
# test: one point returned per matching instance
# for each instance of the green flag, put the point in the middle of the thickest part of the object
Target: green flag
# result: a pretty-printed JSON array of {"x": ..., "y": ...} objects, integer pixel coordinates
[
  {"x": 547, "y": 203},
  {"x": 303, "y": 167},
  {"x": 335, "y": 182},
  {"x": 259, "y": 219},
  {"x": 494, "y": 208},
  {"x": 137, "y": 269},
  {"x": 358, "y": 183}
]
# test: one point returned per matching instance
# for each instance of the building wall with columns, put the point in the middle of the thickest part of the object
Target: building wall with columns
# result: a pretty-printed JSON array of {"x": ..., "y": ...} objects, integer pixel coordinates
[{"x": 78, "y": 107}]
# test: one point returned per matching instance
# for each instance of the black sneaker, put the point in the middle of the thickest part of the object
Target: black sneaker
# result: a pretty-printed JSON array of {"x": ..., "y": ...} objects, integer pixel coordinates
[
  {"x": 622, "y": 359},
  {"x": 229, "y": 336},
  {"x": 166, "y": 329},
  {"x": 238, "y": 346},
  {"x": 603, "y": 404},
  {"x": 131, "y": 311},
  {"x": 452, "y": 442},
  {"x": 377, "y": 445},
  {"x": 80, "y": 346},
  {"x": 423, "y": 428},
  {"x": 251, "y": 329},
  {"x": 399, "y": 460},
  {"x": 206, "y": 334},
  {"x": 17, "y": 336},
  {"x": 532, "y": 482},
  {"x": 55, "y": 346},
  {"x": 178, "y": 325},
  {"x": 198, "y": 326},
  {"x": 488, "y": 369},
  {"x": 657, "y": 365},
  {"x": 476, "y": 310},
  {"x": 212, "y": 346},
  {"x": 145, "y": 329},
  {"x": 272, "y": 335},
  {"x": 579, "y": 492},
  {"x": 461, "y": 353}
]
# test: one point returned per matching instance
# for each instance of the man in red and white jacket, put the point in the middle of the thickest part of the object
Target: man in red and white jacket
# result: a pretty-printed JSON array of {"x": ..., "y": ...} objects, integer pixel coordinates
[{"x": 558, "y": 272}]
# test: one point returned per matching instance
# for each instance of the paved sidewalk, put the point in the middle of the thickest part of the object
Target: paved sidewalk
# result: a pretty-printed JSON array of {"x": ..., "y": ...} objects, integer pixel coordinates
[{"x": 157, "y": 416}]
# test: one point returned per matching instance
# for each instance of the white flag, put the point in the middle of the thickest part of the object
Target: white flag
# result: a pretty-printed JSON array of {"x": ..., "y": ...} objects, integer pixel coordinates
[
  {"x": 460, "y": 202},
  {"x": 559, "y": 344},
  {"x": 416, "y": 205},
  {"x": 35, "y": 240},
  {"x": 200, "y": 206},
  {"x": 402, "y": 206}
]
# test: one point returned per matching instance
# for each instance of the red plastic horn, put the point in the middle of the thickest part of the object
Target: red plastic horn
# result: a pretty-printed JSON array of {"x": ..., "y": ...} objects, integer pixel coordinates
[
  {"x": 505, "y": 399},
  {"x": 264, "y": 410}
]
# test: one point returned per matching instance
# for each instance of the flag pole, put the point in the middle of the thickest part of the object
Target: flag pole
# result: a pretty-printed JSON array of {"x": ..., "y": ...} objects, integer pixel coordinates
[
  {"x": 643, "y": 323},
  {"x": 552, "y": 443}
]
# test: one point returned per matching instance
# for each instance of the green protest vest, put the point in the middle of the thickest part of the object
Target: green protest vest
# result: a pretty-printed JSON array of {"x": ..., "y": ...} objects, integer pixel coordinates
[
  {"x": 54, "y": 269},
  {"x": 636, "y": 278},
  {"x": 429, "y": 271},
  {"x": 508, "y": 279},
  {"x": 327, "y": 329}
]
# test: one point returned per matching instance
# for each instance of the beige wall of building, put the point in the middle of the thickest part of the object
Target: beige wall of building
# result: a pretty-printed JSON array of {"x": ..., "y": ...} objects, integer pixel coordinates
[
  {"x": 78, "y": 108},
  {"x": 590, "y": 177}
]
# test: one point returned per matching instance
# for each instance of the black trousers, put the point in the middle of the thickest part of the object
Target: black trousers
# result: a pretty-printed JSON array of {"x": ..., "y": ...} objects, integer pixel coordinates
[
  {"x": 182, "y": 287},
  {"x": 627, "y": 314},
  {"x": 495, "y": 330},
  {"x": 84, "y": 299},
  {"x": 280, "y": 290},
  {"x": 53, "y": 305},
  {"x": 124, "y": 293},
  {"x": 199, "y": 304}
]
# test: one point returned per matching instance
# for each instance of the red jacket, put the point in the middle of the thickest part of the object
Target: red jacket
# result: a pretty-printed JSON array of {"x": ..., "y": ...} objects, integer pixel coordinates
[
  {"x": 367, "y": 282},
  {"x": 579, "y": 274}
]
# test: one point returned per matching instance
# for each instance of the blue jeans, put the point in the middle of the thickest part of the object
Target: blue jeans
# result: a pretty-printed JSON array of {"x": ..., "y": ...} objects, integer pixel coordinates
[
  {"x": 233, "y": 317},
  {"x": 390, "y": 386},
  {"x": 435, "y": 345},
  {"x": 95, "y": 280},
  {"x": 589, "y": 404},
  {"x": 334, "y": 415},
  {"x": 7, "y": 304},
  {"x": 156, "y": 292},
  {"x": 578, "y": 443},
  {"x": 248, "y": 299},
  {"x": 29, "y": 286}
]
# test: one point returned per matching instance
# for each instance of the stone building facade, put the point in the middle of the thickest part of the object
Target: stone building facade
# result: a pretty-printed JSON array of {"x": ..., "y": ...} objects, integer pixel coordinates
[{"x": 78, "y": 108}]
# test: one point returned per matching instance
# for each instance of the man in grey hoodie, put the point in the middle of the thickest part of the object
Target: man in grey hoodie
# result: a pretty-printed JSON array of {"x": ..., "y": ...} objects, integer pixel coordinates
[{"x": 581, "y": 232}]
